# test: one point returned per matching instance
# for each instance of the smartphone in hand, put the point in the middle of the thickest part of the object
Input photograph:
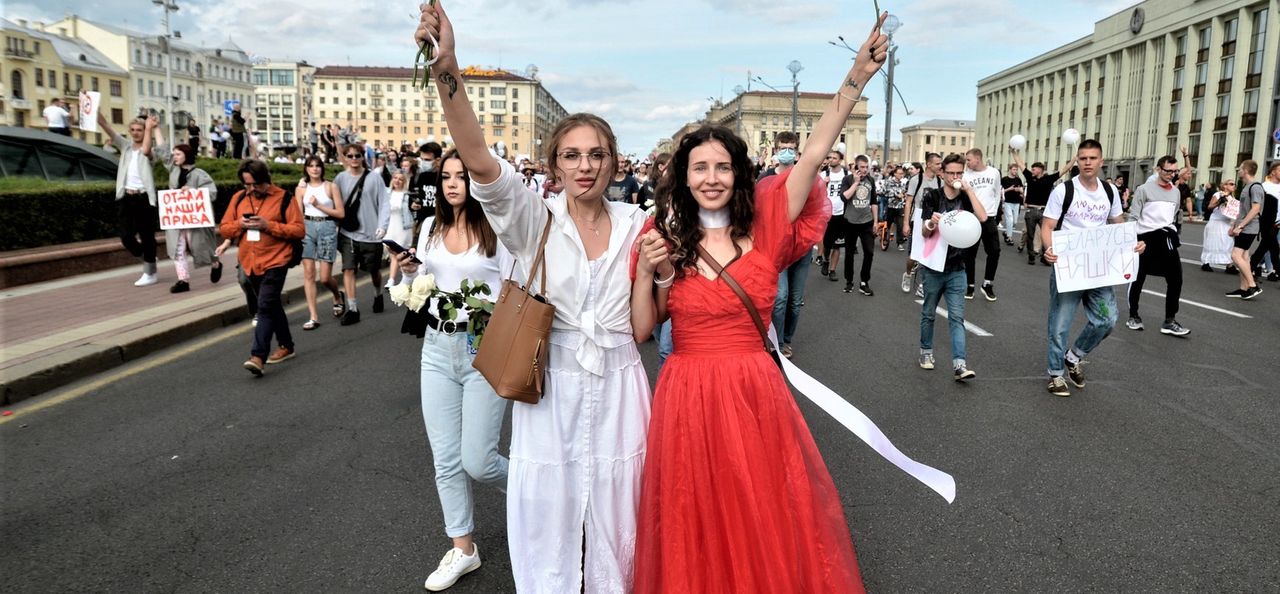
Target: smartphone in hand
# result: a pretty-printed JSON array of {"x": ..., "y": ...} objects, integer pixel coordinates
[{"x": 396, "y": 249}]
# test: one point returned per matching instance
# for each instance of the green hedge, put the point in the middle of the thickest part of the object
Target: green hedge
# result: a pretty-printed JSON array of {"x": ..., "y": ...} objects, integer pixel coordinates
[{"x": 36, "y": 213}]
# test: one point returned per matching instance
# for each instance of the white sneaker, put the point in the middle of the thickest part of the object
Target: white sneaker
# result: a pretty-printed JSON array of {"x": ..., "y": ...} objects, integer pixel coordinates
[
  {"x": 454, "y": 565},
  {"x": 144, "y": 280}
]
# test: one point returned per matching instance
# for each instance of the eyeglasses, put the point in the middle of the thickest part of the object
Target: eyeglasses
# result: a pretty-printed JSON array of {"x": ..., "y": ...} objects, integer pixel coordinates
[
  {"x": 354, "y": 156},
  {"x": 575, "y": 157},
  {"x": 1169, "y": 171},
  {"x": 953, "y": 173}
]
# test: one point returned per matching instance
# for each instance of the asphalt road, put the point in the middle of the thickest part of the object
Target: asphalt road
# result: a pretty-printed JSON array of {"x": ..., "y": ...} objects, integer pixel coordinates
[{"x": 181, "y": 473}]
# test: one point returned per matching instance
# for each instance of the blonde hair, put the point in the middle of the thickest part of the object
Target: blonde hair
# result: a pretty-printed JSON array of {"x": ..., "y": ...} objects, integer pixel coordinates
[{"x": 572, "y": 122}]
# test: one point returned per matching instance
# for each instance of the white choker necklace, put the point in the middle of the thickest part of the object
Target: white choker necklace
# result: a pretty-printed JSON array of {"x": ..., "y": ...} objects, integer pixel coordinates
[{"x": 713, "y": 219}]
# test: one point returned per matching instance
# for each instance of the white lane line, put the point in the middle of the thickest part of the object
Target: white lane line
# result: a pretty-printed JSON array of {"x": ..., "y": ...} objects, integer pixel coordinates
[
  {"x": 973, "y": 328},
  {"x": 1189, "y": 243},
  {"x": 1198, "y": 304}
]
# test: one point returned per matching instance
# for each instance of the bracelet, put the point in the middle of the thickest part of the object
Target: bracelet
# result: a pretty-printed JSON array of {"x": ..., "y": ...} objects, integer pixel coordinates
[{"x": 667, "y": 282}]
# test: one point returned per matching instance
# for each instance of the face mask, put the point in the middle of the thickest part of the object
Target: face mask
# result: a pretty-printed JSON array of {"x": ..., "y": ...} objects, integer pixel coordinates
[
  {"x": 428, "y": 166},
  {"x": 786, "y": 156}
]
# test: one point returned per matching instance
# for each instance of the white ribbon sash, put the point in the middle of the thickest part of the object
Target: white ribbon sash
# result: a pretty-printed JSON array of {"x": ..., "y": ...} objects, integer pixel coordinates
[{"x": 853, "y": 419}]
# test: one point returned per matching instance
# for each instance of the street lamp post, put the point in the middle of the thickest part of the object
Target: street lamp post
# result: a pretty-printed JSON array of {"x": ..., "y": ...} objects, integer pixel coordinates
[
  {"x": 795, "y": 69},
  {"x": 169, "y": 6},
  {"x": 739, "y": 91},
  {"x": 891, "y": 24}
]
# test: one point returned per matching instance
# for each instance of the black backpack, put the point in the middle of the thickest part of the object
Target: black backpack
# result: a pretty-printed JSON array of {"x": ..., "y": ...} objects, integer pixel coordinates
[
  {"x": 1069, "y": 194},
  {"x": 351, "y": 219}
]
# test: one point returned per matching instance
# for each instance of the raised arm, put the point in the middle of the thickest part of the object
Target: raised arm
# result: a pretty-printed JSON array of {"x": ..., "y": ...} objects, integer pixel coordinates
[
  {"x": 468, "y": 137},
  {"x": 1017, "y": 160},
  {"x": 106, "y": 127},
  {"x": 871, "y": 55}
]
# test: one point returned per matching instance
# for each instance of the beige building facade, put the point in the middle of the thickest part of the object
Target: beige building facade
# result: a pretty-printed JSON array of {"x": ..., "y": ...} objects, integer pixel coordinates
[
  {"x": 385, "y": 109},
  {"x": 937, "y": 136},
  {"x": 758, "y": 117},
  {"x": 1149, "y": 79},
  {"x": 39, "y": 67},
  {"x": 283, "y": 97}
]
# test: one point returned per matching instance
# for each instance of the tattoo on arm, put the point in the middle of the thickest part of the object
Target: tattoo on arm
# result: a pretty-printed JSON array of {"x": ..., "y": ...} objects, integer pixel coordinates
[{"x": 449, "y": 81}]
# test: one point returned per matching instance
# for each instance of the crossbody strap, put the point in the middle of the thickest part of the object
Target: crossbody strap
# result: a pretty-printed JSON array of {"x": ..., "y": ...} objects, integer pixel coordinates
[
  {"x": 538, "y": 261},
  {"x": 737, "y": 289}
]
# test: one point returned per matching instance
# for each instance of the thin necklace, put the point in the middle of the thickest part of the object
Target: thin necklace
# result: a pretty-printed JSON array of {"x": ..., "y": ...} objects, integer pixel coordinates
[{"x": 588, "y": 223}]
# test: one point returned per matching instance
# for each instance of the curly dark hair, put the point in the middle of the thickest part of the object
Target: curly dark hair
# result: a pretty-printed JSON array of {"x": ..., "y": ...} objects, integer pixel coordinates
[{"x": 677, "y": 214}]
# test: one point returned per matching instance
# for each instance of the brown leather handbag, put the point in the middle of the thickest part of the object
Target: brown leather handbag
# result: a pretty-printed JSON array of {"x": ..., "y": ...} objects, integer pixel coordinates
[
  {"x": 742, "y": 296},
  {"x": 513, "y": 354}
]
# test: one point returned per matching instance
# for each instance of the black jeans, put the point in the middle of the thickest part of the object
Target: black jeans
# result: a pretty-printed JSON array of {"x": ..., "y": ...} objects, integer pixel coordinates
[
  {"x": 237, "y": 145},
  {"x": 854, "y": 232},
  {"x": 1031, "y": 236},
  {"x": 893, "y": 216},
  {"x": 138, "y": 221},
  {"x": 1267, "y": 244},
  {"x": 271, "y": 317},
  {"x": 990, "y": 243},
  {"x": 1172, "y": 276}
]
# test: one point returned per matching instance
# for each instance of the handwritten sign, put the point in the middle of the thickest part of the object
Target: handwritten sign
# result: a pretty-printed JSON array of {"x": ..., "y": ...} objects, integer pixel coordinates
[
  {"x": 186, "y": 208},
  {"x": 1096, "y": 257},
  {"x": 930, "y": 251},
  {"x": 90, "y": 102}
]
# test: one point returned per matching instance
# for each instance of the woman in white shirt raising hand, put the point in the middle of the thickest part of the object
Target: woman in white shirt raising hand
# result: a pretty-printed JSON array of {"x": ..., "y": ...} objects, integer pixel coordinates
[{"x": 576, "y": 456}]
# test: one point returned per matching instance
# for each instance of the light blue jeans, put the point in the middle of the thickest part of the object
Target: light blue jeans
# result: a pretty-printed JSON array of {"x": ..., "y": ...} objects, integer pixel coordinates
[
  {"x": 464, "y": 420},
  {"x": 665, "y": 344},
  {"x": 1011, "y": 210},
  {"x": 1100, "y": 309},
  {"x": 786, "y": 306},
  {"x": 936, "y": 286}
]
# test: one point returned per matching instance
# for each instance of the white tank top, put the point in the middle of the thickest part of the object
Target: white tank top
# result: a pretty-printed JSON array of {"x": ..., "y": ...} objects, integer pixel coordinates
[{"x": 321, "y": 196}]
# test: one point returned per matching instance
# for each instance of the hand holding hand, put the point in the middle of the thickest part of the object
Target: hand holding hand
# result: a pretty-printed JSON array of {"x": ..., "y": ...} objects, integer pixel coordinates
[{"x": 152, "y": 122}]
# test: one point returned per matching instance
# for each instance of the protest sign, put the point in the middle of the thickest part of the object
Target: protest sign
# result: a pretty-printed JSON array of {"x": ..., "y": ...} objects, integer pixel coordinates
[
  {"x": 930, "y": 251},
  {"x": 186, "y": 208},
  {"x": 90, "y": 102},
  {"x": 1097, "y": 257}
]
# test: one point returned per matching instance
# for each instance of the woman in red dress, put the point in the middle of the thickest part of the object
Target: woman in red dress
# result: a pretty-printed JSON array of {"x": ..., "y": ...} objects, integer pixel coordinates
[{"x": 735, "y": 496}]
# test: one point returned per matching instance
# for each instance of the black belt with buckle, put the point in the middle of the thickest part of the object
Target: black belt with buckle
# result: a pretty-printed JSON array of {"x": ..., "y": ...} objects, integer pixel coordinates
[
  {"x": 311, "y": 218},
  {"x": 446, "y": 326}
]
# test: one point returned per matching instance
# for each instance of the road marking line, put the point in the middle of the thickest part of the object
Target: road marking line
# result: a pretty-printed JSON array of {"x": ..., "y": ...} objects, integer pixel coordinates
[
  {"x": 971, "y": 327},
  {"x": 1198, "y": 304}
]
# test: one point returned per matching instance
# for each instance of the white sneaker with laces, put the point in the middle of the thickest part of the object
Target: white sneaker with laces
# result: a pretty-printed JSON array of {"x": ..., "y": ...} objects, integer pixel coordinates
[
  {"x": 453, "y": 566},
  {"x": 144, "y": 280}
]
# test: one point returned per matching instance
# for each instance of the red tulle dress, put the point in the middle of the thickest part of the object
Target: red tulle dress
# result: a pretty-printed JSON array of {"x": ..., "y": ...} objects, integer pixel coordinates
[{"x": 735, "y": 497}]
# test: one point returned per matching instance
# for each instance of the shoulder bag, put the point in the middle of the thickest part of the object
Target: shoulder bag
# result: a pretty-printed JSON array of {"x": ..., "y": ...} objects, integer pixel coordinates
[
  {"x": 351, "y": 208},
  {"x": 746, "y": 301},
  {"x": 513, "y": 354}
]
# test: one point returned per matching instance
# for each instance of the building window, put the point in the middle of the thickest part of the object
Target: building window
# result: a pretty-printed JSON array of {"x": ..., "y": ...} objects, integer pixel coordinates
[
  {"x": 137, "y": 56},
  {"x": 515, "y": 93},
  {"x": 928, "y": 138},
  {"x": 151, "y": 88},
  {"x": 117, "y": 89},
  {"x": 481, "y": 118},
  {"x": 39, "y": 77},
  {"x": 1230, "y": 30},
  {"x": 348, "y": 86},
  {"x": 1256, "y": 46},
  {"x": 498, "y": 91}
]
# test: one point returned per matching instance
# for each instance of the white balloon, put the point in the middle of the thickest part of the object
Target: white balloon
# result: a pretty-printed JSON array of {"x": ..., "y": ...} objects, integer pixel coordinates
[
  {"x": 1071, "y": 136},
  {"x": 960, "y": 229},
  {"x": 957, "y": 185},
  {"x": 1018, "y": 142},
  {"x": 840, "y": 147}
]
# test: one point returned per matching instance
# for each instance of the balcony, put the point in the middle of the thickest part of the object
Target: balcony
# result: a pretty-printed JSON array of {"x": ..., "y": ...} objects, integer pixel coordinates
[
  {"x": 18, "y": 53},
  {"x": 20, "y": 103}
]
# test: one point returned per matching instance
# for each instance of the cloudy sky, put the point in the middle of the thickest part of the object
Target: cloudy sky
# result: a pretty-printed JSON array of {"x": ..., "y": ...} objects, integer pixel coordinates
[{"x": 647, "y": 67}]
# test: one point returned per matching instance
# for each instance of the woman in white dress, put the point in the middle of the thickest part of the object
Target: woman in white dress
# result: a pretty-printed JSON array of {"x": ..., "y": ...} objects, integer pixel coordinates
[
  {"x": 1217, "y": 241},
  {"x": 400, "y": 229},
  {"x": 577, "y": 455}
]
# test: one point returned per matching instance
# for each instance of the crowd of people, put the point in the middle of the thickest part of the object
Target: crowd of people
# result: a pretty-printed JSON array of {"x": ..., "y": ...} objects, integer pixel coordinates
[{"x": 606, "y": 478}]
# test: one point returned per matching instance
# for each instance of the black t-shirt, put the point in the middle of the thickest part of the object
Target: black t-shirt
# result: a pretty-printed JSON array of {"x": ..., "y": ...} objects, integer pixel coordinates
[
  {"x": 621, "y": 191},
  {"x": 937, "y": 201},
  {"x": 648, "y": 191},
  {"x": 1011, "y": 193},
  {"x": 424, "y": 189},
  {"x": 1184, "y": 192},
  {"x": 1039, "y": 188}
]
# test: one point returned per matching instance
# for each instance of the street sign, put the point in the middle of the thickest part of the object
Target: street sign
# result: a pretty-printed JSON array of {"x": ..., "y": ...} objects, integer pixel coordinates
[
  {"x": 1275, "y": 151},
  {"x": 227, "y": 106},
  {"x": 1276, "y": 135}
]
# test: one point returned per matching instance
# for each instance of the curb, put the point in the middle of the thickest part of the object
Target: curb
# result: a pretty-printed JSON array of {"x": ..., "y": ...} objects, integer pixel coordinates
[{"x": 53, "y": 371}]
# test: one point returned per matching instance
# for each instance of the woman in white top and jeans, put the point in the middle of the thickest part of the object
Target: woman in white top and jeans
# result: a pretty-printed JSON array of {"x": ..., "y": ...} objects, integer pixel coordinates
[
  {"x": 400, "y": 229},
  {"x": 577, "y": 455},
  {"x": 463, "y": 415},
  {"x": 321, "y": 208}
]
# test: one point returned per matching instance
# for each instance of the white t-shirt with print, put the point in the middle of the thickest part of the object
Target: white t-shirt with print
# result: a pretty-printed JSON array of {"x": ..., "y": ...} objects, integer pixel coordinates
[
  {"x": 833, "y": 179},
  {"x": 1089, "y": 209},
  {"x": 986, "y": 186}
]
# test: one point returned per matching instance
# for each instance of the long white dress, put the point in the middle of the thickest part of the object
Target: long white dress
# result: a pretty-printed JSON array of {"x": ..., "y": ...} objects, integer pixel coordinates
[
  {"x": 1217, "y": 241},
  {"x": 576, "y": 456}
]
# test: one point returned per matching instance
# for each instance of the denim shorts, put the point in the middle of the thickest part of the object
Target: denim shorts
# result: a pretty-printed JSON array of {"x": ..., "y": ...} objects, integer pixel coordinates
[{"x": 321, "y": 241}]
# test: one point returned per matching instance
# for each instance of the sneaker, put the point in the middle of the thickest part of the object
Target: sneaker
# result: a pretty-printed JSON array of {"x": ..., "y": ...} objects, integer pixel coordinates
[
  {"x": 848, "y": 288},
  {"x": 1239, "y": 293},
  {"x": 825, "y": 270},
  {"x": 1206, "y": 268},
  {"x": 865, "y": 289},
  {"x": 926, "y": 360},
  {"x": 1134, "y": 323},
  {"x": 906, "y": 282},
  {"x": 832, "y": 277},
  {"x": 1174, "y": 328},
  {"x": 1076, "y": 373},
  {"x": 901, "y": 249},
  {"x": 968, "y": 293},
  {"x": 145, "y": 280},
  {"x": 180, "y": 287},
  {"x": 282, "y": 354},
  {"x": 1231, "y": 269},
  {"x": 964, "y": 373},
  {"x": 786, "y": 351},
  {"x": 215, "y": 273},
  {"x": 1058, "y": 386},
  {"x": 989, "y": 291},
  {"x": 351, "y": 317},
  {"x": 1274, "y": 276},
  {"x": 377, "y": 304},
  {"x": 254, "y": 365},
  {"x": 920, "y": 290},
  {"x": 454, "y": 565},
  {"x": 1251, "y": 293}
]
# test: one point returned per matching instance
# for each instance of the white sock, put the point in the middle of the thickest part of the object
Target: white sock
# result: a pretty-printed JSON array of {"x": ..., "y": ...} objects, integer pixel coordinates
[
  {"x": 351, "y": 303},
  {"x": 1072, "y": 357}
]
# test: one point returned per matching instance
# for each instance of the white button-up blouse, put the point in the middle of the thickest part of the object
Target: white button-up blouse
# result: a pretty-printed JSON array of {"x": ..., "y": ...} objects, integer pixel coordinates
[{"x": 518, "y": 216}]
